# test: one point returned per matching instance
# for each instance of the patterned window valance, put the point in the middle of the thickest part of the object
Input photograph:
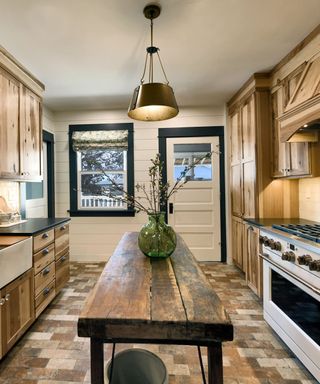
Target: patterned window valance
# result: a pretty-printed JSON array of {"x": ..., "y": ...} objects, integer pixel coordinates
[{"x": 113, "y": 140}]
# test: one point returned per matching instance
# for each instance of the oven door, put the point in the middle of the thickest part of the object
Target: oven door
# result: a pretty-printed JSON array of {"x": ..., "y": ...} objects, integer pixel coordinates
[{"x": 293, "y": 310}]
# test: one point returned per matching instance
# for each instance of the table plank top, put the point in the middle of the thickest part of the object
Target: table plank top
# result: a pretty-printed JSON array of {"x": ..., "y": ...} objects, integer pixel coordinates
[{"x": 140, "y": 298}]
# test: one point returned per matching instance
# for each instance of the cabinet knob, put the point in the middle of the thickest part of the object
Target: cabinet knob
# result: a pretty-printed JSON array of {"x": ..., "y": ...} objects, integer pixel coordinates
[
  {"x": 45, "y": 251},
  {"x": 62, "y": 259},
  {"x": 7, "y": 296},
  {"x": 63, "y": 228},
  {"x": 2, "y": 301},
  {"x": 45, "y": 235},
  {"x": 45, "y": 271},
  {"x": 46, "y": 291}
]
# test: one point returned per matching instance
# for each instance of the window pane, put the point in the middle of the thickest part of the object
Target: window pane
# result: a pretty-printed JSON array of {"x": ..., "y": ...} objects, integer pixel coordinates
[
  {"x": 95, "y": 160},
  {"x": 187, "y": 154},
  {"x": 97, "y": 191}
]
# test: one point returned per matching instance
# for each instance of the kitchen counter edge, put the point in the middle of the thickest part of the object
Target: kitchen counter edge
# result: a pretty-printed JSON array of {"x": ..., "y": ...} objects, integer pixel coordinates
[
  {"x": 267, "y": 222},
  {"x": 33, "y": 226}
]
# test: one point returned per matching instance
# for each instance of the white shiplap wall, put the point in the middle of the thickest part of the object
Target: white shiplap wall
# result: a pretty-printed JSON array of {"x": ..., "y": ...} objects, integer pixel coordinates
[{"x": 95, "y": 238}]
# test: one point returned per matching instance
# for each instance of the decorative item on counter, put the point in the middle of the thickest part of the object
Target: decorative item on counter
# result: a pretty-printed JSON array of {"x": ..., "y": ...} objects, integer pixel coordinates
[
  {"x": 156, "y": 238},
  {"x": 8, "y": 215}
]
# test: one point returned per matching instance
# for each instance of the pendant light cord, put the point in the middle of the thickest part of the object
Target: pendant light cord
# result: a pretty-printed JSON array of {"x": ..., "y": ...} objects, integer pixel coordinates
[{"x": 150, "y": 51}]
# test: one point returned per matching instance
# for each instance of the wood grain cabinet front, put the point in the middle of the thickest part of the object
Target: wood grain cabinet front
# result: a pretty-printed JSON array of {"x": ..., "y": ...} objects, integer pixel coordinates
[
  {"x": 44, "y": 270},
  {"x": 9, "y": 126},
  {"x": 43, "y": 240},
  {"x": 17, "y": 309}
]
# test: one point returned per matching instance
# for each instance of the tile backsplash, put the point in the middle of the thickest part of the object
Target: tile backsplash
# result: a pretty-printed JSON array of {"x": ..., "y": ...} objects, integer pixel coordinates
[
  {"x": 10, "y": 191},
  {"x": 309, "y": 198}
]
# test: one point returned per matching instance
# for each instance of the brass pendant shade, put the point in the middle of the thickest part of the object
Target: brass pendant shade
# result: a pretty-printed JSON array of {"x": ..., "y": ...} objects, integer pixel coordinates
[{"x": 152, "y": 101}]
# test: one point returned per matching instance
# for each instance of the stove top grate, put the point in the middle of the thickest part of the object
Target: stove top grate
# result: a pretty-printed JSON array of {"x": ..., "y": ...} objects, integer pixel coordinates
[{"x": 306, "y": 231}]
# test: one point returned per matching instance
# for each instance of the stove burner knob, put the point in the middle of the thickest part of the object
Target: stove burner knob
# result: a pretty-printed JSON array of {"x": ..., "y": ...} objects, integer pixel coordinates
[
  {"x": 314, "y": 265},
  {"x": 289, "y": 256},
  {"x": 271, "y": 244},
  {"x": 277, "y": 246},
  {"x": 261, "y": 239},
  {"x": 304, "y": 259},
  {"x": 265, "y": 241}
]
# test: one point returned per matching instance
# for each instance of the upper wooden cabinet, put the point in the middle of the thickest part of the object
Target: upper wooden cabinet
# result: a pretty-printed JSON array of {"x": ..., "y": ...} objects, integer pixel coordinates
[
  {"x": 20, "y": 121},
  {"x": 9, "y": 126},
  {"x": 30, "y": 134},
  {"x": 249, "y": 127},
  {"x": 288, "y": 159}
]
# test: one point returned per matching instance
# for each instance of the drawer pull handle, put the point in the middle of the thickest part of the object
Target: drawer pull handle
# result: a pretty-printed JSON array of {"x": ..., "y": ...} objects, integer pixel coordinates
[
  {"x": 63, "y": 258},
  {"x": 45, "y": 236},
  {"x": 45, "y": 271},
  {"x": 7, "y": 297},
  {"x": 45, "y": 251},
  {"x": 2, "y": 301},
  {"x": 46, "y": 291},
  {"x": 63, "y": 228}
]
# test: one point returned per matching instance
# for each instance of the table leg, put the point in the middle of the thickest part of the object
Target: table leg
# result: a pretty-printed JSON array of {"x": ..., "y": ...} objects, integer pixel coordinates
[
  {"x": 215, "y": 370},
  {"x": 97, "y": 368}
]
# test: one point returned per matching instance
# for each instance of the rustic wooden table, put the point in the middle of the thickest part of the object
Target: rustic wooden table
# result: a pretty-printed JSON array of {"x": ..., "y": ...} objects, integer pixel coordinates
[{"x": 168, "y": 301}]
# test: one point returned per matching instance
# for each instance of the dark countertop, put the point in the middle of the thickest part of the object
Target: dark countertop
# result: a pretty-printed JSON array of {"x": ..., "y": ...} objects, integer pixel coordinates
[
  {"x": 33, "y": 226},
  {"x": 265, "y": 222}
]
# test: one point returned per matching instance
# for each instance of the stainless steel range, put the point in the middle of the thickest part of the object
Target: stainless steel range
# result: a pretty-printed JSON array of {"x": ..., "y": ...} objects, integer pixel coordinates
[{"x": 291, "y": 278}]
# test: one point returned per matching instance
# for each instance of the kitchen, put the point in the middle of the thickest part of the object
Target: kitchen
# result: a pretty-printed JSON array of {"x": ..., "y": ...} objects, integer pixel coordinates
[{"x": 285, "y": 170}]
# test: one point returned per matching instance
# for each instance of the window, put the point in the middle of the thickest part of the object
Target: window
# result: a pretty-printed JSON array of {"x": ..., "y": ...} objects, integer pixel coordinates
[
  {"x": 186, "y": 155},
  {"x": 100, "y": 154}
]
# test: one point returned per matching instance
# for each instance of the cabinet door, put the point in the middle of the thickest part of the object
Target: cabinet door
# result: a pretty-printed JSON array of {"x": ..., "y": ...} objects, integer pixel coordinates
[
  {"x": 31, "y": 134},
  {"x": 248, "y": 129},
  {"x": 280, "y": 150},
  {"x": 249, "y": 189},
  {"x": 237, "y": 243},
  {"x": 236, "y": 189},
  {"x": 254, "y": 265},
  {"x": 235, "y": 137},
  {"x": 299, "y": 160},
  {"x": 18, "y": 310},
  {"x": 9, "y": 126}
]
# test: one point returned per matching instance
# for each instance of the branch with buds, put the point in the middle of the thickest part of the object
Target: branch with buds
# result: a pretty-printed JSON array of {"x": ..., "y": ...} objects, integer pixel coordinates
[{"x": 154, "y": 195}]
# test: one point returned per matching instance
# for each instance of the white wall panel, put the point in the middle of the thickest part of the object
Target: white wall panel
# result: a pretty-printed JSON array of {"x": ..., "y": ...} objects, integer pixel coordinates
[{"x": 95, "y": 238}]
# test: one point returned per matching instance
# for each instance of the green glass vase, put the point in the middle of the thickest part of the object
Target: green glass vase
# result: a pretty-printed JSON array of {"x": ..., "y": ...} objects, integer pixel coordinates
[{"x": 156, "y": 238}]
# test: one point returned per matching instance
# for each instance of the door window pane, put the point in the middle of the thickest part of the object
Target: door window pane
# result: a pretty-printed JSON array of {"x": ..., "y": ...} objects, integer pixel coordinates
[{"x": 186, "y": 155}]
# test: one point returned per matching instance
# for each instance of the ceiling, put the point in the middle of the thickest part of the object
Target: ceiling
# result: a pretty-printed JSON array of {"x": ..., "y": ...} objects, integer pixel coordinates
[{"x": 90, "y": 53}]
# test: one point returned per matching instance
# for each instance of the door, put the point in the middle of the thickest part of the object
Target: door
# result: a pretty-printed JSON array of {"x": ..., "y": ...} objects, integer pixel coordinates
[{"x": 195, "y": 210}]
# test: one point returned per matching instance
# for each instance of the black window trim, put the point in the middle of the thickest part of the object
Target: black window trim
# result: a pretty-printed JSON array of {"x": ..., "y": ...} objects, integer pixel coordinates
[{"x": 74, "y": 211}]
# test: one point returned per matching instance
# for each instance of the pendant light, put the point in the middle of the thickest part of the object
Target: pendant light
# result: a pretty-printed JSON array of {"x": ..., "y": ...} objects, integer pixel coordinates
[{"x": 152, "y": 101}]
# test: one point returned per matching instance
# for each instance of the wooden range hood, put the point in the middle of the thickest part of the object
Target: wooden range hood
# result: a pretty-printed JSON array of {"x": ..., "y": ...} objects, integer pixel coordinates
[{"x": 301, "y": 117}]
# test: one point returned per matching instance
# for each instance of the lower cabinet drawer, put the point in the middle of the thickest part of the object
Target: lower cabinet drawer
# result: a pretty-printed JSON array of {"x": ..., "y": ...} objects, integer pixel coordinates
[
  {"x": 62, "y": 277},
  {"x": 64, "y": 260},
  {"x": 43, "y": 258},
  {"x": 45, "y": 297},
  {"x": 43, "y": 240},
  {"x": 43, "y": 278}
]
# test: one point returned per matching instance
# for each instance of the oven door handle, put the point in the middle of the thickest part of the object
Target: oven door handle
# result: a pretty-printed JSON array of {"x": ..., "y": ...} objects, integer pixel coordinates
[{"x": 267, "y": 258}]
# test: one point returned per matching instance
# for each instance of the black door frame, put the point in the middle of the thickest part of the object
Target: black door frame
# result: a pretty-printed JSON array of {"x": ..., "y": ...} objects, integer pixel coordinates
[
  {"x": 49, "y": 139},
  {"x": 166, "y": 133}
]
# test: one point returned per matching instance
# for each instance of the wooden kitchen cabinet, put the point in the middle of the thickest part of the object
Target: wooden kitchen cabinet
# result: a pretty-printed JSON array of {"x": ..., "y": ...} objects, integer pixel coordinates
[
  {"x": 289, "y": 159},
  {"x": 9, "y": 126},
  {"x": 238, "y": 256},
  {"x": 20, "y": 121},
  {"x": 17, "y": 309},
  {"x": 62, "y": 264},
  {"x": 44, "y": 270},
  {"x": 251, "y": 255},
  {"x": 30, "y": 134}
]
